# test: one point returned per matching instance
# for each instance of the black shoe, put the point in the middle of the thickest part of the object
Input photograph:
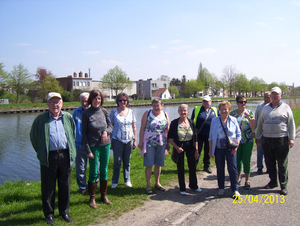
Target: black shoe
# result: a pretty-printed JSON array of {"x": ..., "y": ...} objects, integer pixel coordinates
[
  {"x": 247, "y": 186},
  {"x": 270, "y": 186},
  {"x": 66, "y": 217},
  {"x": 208, "y": 170},
  {"x": 239, "y": 182},
  {"x": 50, "y": 220},
  {"x": 283, "y": 192},
  {"x": 259, "y": 171}
]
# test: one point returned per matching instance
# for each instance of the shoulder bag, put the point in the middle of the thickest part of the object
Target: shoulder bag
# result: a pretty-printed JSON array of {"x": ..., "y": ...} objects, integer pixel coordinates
[{"x": 231, "y": 142}]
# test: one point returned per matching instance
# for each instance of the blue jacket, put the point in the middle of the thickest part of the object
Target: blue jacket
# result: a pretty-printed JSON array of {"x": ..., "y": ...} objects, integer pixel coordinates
[
  {"x": 233, "y": 130},
  {"x": 77, "y": 116}
]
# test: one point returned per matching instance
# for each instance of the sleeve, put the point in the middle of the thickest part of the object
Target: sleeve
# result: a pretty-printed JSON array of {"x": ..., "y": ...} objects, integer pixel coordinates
[
  {"x": 34, "y": 134},
  {"x": 193, "y": 114},
  {"x": 291, "y": 125},
  {"x": 171, "y": 130},
  {"x": 238, "y": 131},
  {"x": 212, "y": 125},
  {"x": 111, "y": 116},
  {"x": 84, "y": 132},
  {"x": 108, "y": 122}
]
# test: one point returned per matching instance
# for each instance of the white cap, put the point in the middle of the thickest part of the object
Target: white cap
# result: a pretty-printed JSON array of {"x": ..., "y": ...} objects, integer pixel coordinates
[
  {"x": 276, "y": 90},
  {"x": 53, "y": 94},
  {"x": 207, "y": 98}
]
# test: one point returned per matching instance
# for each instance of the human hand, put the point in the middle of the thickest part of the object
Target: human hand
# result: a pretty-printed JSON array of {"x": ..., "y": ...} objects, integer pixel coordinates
[
  {"x": 166, "y": 152},
  {"x": 134, "y": 145},
  {"x": 233, "y": 151},
  {"x": 291, "y": 143},
  {"x": 90, "y": 155},
  {"x": 179, "y": 150},
  {"x": 196, "y": 155},
  {"x": 257, "y": 141},
  {"x": 140, "y": 146},
  {"x": 104, "y": 137}
]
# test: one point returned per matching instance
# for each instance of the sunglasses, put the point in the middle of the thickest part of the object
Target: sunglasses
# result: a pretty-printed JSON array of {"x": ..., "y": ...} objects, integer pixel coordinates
[
  {"x": 242, "y": 102},
  {"x": 122, "y": 101}
]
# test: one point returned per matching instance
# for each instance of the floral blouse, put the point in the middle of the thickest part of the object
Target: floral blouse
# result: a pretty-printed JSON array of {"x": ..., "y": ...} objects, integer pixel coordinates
[{"x": 157, "y": 125}]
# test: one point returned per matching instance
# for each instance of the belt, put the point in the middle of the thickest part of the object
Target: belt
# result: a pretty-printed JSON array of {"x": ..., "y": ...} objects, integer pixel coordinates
[{"x": 59, "y": 150}]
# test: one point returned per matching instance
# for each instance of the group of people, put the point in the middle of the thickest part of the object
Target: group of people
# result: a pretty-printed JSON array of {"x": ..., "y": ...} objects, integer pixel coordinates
[{"x": 61, "y": 139}]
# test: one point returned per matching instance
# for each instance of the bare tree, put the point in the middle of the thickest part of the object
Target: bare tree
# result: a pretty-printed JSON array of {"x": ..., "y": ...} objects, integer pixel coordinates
[{"x": 229, "y": 74}]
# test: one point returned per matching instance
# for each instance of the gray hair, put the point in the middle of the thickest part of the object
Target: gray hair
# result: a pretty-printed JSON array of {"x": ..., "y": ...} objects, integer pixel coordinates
[
  {"x": 267, "y": 92},
  {"x": 85, "y": 94},
  {"x": 183, "y": 105}
]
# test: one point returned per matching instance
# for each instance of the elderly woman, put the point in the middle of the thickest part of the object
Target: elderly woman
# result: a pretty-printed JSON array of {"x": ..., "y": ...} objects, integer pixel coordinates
[
  {"x": 218, "y": 146},
  {"x": 247, "y": 124},
  {"x": 96, "y": 130},
  {"x": 183, "y": 137},
  {"x": 153, "y": 141},
  {"x": 123, "y": 138}
]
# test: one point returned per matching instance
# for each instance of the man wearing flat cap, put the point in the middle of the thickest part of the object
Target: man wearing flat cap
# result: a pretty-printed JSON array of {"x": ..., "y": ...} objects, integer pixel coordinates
[
  {"x": 53, "y": 138},
  {"x": 276, "y": 124},
  {"x": 202, "y": 116}
]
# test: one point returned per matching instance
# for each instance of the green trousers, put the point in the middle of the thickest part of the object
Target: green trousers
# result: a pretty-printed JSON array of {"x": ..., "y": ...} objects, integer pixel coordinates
[{"x": 243, "y": 157}]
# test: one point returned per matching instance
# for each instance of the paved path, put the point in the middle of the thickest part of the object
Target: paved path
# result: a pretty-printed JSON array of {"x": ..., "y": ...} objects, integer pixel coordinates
[{"x": 206, "y": 208}]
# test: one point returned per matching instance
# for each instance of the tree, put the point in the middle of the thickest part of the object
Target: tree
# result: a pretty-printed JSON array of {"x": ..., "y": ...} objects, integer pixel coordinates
[
  {"x": 116, "y": 80},
  {"x": 164, "y": 78},
  {"x": 206, "y": 78},
  {"x": 283, "y": 87},
  {"x": 273, "y": 84},
  {"x": 193, "y": 86},
  {"x": 217, "y": 85},
  {"x": 174, "y": 91},
  {"x": 175, "y": 82},
  {"x": 49, "y": 84},
  {"x": 241, "y": 83},
  {"x": 229, "y": 74},
  {"x": 3, "y": 76},
  {"x": 255, "y": 85},
  {"x": 18, "y": 80}
]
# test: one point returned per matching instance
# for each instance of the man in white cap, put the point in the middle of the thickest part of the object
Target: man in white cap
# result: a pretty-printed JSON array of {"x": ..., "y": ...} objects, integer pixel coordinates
[
  {"x": 276, "y": 124},
  {"x": 202, "y": 116},
  {"x": 53, "y": 138}
]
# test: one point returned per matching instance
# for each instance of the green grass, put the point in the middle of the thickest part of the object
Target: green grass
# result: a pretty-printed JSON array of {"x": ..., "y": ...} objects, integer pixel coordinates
[{"x": 20, "y": 201}]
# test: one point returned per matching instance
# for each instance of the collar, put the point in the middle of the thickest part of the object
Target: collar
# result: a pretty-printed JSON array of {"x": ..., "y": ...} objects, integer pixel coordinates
[
  {"x": 280, "y": 103},
  {"x": 60, "y": 115}
]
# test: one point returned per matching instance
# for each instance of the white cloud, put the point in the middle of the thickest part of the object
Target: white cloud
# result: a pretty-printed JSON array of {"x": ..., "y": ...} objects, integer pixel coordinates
[
  {"x": 91, "y": 52},
  {"x": 153, "y": 47},
  {"x": 296, "y": 2},
  {"x": 201, "y": 51},
  {"x": 261, "y": 24},
  {"x": 176, "y": 41},
  {"x": 22, "y": 44},
  {"x": 180, "y": 48}
]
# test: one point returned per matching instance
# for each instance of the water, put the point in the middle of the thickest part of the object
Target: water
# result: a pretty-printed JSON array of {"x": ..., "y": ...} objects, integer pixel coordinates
[{"x": 18, "y": 158}]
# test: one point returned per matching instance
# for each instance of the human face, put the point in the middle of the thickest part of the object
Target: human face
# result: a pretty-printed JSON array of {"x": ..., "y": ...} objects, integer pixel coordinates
[
  {"x": 122, "y": 102},
  {"x": 206, "y": 104},
  {"x": 96, "y": 102},
  {"x": 224, "y": 110},
  {"x": 156, "y": 108},
  {"x": 242, "y": 103},
  {"x": 275, "y": 98},
  {"x": 183, "y": 111},
  {"x": 55, "y": 105},
  {"x": 267, "y": 98},
  {"x": 84, "y": 102}
]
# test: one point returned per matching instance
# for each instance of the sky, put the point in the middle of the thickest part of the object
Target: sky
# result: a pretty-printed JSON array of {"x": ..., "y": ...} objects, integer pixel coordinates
[{"x": 150, "y": 38}]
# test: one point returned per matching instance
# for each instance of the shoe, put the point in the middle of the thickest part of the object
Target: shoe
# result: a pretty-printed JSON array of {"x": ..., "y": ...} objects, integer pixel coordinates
[
  {"x": 247, "y": 185},
  {"x": 92, "y": 192},
  {"x": 208, "y": 170},
  {"x": 182, "y": 192},
  {"x": 103, "y": 191},
  {"x": 283, "y": 192},
  {"x": 259, "y": 171},
  {"x": 221, "y": 192},
  {"x": 236, "y": 194},
  {"x": 198, "y": 190},
  {"x": 50, "y": 220},
  {"x": 66, "y": 217},
  {"x": 128, "y": 184},
  {"x": 114, "y": 185},
  {"x": 83, "y": 191},
  {"x": 149, "y": 190},
  {"x": 270, "y": 186},
  {"x": 239, "y": 182},
  {"x": 160, "y": 188}
]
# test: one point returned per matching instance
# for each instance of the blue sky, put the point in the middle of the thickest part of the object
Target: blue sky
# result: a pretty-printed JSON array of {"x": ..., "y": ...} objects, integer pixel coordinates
[{"x": 149, "y": 38}]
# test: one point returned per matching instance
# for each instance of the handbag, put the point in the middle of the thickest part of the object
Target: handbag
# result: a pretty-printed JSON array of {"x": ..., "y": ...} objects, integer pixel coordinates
[{"x": 231, "y": 142}]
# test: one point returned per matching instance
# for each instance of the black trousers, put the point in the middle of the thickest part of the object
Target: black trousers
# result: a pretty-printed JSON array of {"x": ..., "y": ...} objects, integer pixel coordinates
[
  {"x": 276, "y": 152},
  {"x": 188, "y": 150},
  {"x": 203, "y": 139},
  {"x": 59, "y": 169}
]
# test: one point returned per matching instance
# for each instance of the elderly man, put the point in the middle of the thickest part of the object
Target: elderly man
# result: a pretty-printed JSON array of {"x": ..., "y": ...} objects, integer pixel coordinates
[
  {"x": 53, "y": 138},
  {"x": 260, "y": 154},
  {"x": 202, "y": 116},
  {"x": 81, "y": 156},
  {"x": 276, "y": 124}
]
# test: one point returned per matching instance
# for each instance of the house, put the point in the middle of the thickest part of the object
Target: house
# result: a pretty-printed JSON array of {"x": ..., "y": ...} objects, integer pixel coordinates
[
  {"x": 162, "y": 93},
  {"x": 74, "y": 82},
  {"x": 146, "y": 88}
]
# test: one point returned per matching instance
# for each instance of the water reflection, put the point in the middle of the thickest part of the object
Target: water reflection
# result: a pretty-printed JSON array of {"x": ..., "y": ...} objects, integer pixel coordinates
[{"x": 17, "y": 157}]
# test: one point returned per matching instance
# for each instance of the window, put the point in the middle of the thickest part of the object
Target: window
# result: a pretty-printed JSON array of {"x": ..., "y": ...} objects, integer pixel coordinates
[
  {"x": 77, "y": 83},
  {"x": 165, "y": 85}
]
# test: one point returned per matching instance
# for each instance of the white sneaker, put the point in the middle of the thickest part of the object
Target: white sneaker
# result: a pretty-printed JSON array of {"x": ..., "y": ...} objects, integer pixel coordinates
[
  {"x": 183, "y": 193},
  {"x": 114, "y": 185},
  {"x": 236, "y": 194},
  {"x": 221, "y": 192},
  {"x": 198, "y": 190},
  {"x": 128, "y": 184}
]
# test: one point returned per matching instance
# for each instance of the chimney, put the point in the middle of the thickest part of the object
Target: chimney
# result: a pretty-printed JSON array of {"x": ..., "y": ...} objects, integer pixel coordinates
[
  {"x": 75, "y": 75},
  {"x": 80, "y": 74},
  {"x": 86, "y": 75}
]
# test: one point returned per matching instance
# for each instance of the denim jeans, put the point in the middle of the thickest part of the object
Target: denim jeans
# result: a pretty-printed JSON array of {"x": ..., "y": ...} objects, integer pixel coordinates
[
  {"x": 81, "y": 163},
  {"x": 260, "y": 155},
  {"x": 220, "y": 155},
  {"x": 203, "y": 140},
  {"x": 121, "y": 152},
  {"x": 276, "y": 150}
]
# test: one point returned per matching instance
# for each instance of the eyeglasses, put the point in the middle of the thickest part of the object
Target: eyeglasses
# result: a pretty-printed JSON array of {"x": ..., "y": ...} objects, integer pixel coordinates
[
  {"x": 54, "y": 103},
  {"x": 122, "y": 101},
  {"x": 242, "y": 102}
]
